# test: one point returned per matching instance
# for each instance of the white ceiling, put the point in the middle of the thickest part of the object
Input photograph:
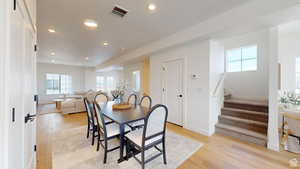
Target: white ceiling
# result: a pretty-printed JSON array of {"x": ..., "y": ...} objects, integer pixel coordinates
[
  {"x": 73, "y": 42},
  {"x": 290, "y": 28}
]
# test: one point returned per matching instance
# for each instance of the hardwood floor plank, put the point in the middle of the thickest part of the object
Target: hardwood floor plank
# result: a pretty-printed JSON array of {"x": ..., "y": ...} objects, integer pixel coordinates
[{"x": 218, "y": 152}]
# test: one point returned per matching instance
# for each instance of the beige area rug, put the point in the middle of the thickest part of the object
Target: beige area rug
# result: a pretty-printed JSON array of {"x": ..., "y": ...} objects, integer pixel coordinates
[{"x": 71, "y": 150}]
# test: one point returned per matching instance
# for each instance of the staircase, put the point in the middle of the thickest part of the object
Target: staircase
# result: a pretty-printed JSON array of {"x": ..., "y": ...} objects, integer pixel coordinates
[{"x": 245, "y": 120}]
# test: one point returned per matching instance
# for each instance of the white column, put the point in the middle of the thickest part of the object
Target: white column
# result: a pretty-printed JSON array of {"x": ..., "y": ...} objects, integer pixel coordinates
[{"x": 273, "y": 133}]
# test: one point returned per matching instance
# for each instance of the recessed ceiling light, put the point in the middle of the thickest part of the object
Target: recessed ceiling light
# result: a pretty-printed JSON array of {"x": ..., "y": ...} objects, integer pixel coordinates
[
  {"x": 151, "y": 7},
  {"x": 53, "y": 61},
  {"x": 52, "y": 53},
  {"x": 51, "y": 30},
  {"x": 86, "y": 58},
  {"x": 105, "y": 43},
  {"x": 91, "y": 23}
]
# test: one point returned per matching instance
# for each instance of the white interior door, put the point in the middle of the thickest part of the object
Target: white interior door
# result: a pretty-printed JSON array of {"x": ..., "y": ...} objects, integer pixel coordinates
[
  {"x": 173, "y": 90},
  {"x": 21, "y": 137},
  {"x": 29, "y": 103},
  {"x": 16, "y": 123}
]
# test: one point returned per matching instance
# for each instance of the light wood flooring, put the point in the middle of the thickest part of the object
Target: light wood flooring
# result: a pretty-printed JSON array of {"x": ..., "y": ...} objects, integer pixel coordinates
[{"x": 218, "y": 152}]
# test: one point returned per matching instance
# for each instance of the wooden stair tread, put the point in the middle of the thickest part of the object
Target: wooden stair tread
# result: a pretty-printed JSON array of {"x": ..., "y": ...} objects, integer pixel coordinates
[
  {"x": 245, "y": 111},
  {"x": 242, "y": 131},
  {"x": 244, "y": 120},
  {"x": 247, "y": 102}
]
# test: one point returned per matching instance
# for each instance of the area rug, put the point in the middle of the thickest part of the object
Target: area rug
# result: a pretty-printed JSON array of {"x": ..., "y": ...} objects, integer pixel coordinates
[{"x": 72, "y": 150}]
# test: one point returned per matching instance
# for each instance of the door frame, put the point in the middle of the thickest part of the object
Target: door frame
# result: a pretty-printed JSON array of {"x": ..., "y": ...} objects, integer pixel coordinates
[
  {"x": 184, "y": 84},
  {"x": 4, "y": 67}
]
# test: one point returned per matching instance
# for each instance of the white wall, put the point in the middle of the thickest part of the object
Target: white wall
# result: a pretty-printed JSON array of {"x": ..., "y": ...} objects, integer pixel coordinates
[
  {"x": 288, "y": 51},
  {"x": 274, "y": 120},
  {"x": 197, "y": 91},
  {"x": 216, "y": 83},
  {"x": 90, "y": 78},
  {"x": 4, "y": 82},
  {"x": 127, "y": 74},
  {"x": 77, "y": 73},
  {"x": 116, "y": 74},
  {"x": 251, "y": 85}
]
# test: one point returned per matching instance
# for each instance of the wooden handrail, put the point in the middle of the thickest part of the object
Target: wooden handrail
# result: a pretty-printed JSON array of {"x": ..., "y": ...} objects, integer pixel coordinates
[{"x": 222, "y": 77}]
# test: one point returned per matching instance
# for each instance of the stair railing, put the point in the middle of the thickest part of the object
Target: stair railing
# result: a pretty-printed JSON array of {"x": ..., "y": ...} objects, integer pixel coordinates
[{"x": 219, "y": 86}]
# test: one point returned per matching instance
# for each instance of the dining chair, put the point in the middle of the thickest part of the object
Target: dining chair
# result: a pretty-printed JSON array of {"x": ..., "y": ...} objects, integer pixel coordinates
[
  {"x": 132, "y": 99},
  {"x": 92, "y": 125},
  {"x": 146, "y": 101},
  {"x": 106, "y": 131},
  {"x": 150, "y": 136},
  {"x": 101, "y": 98}
]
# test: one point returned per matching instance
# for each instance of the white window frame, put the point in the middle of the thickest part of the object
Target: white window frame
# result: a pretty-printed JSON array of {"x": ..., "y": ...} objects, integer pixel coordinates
[
  {"x": 111, "y": 86},
  {"x": 297, "y": 74},
  {"x": 62, "y": 89},
  {"x": 136, "y": 81},
  {"x": 241, "y": 61},
  {"x": 99, "y": 85}
]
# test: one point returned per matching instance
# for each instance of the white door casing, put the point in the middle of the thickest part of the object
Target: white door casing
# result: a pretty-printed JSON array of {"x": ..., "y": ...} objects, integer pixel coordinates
[
  {"x": 173, "y": 92},
  {"x": 29, "y": 103},
  {"x": 21, "y": 89},
  {"x": 16, "y": 122}
]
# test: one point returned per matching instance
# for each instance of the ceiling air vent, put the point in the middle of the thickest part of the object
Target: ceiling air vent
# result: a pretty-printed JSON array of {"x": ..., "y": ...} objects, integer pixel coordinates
[{"x": 120, "y": 11}]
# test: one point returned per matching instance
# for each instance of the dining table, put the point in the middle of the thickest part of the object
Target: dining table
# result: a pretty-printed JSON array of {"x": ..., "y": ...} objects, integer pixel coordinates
[{"x": 123, "y": 118}]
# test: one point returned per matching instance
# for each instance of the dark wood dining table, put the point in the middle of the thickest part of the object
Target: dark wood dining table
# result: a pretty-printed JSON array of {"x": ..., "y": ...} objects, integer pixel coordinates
[{"x": 124, "y": 117}]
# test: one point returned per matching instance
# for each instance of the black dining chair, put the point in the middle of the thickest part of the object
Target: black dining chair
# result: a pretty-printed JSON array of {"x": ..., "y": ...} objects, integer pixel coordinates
[
  {"x": 92, "y": 125},
  {"x": 101, "y": 98},
  {"x": 106, "y": 132},
  {"x": 150, "y": 136},
  {"x": 132, "y": 99},
  {"x": 146, "y": 101}
]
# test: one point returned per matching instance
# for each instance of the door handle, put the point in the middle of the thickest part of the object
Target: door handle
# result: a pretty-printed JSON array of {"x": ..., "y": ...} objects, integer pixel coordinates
[
  {"x": 180, "y": 95},
  {"x": 29, "y": 117}
]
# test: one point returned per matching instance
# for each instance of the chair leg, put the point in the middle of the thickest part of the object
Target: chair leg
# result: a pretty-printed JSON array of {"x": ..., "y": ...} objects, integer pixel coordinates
[
  {"x": 88, "y": 131},
  {"x": 105, "y": 152},
  {"x": 127, "y": 149},
  {"x": 94, "y": 131},
  {"x": 143, "y": 159},
  {"x": 164, "y": 152},
  {"x": 98, "y": 141}
]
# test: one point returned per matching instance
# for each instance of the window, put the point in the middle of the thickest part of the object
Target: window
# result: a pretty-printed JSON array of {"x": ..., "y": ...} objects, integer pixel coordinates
[
  {"x": 136, "y": 78},
  {"x": 241, "y": 59},
  {"x": 100, "y": 83},
  {"x": 298, "y": 74},
  {"x": 58, "y": 84},
  {"x": 111, "y": 83}
]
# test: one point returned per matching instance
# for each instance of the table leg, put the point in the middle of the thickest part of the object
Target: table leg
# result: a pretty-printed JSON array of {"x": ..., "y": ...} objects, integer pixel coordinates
[{"x": 122, "y": 142}]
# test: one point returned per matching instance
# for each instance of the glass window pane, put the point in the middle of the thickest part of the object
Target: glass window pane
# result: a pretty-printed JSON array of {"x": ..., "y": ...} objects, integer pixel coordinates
[
  {"x": 234, "y": 55},
  {"x": 249, "y": 52},
  {"x": 298, "y": 65},
  {"x": 233, "y": 60},
  {"x": 249, "y": 65},
  {"x": 234, "y": 66}
]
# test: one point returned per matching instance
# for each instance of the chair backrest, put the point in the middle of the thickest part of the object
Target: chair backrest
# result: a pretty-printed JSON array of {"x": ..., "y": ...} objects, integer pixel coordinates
[
  {"x": 101, "y": 98},
  {"x": 90, "y": 111},
  {"x": 100, "y": 119},
  {"x": 155, "y": 122},
  {"x": 146, "y": 101},
  {"x": 132, "y": 99},
  {"x": 90, "y": 96}
]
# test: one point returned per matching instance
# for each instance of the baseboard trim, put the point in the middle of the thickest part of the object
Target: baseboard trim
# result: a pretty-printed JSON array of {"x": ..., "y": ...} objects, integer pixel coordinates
[
  {"x": 200, "y": 131},
  {"x": 273, "y": 147},
  {"x": 31, "y": 163}
]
